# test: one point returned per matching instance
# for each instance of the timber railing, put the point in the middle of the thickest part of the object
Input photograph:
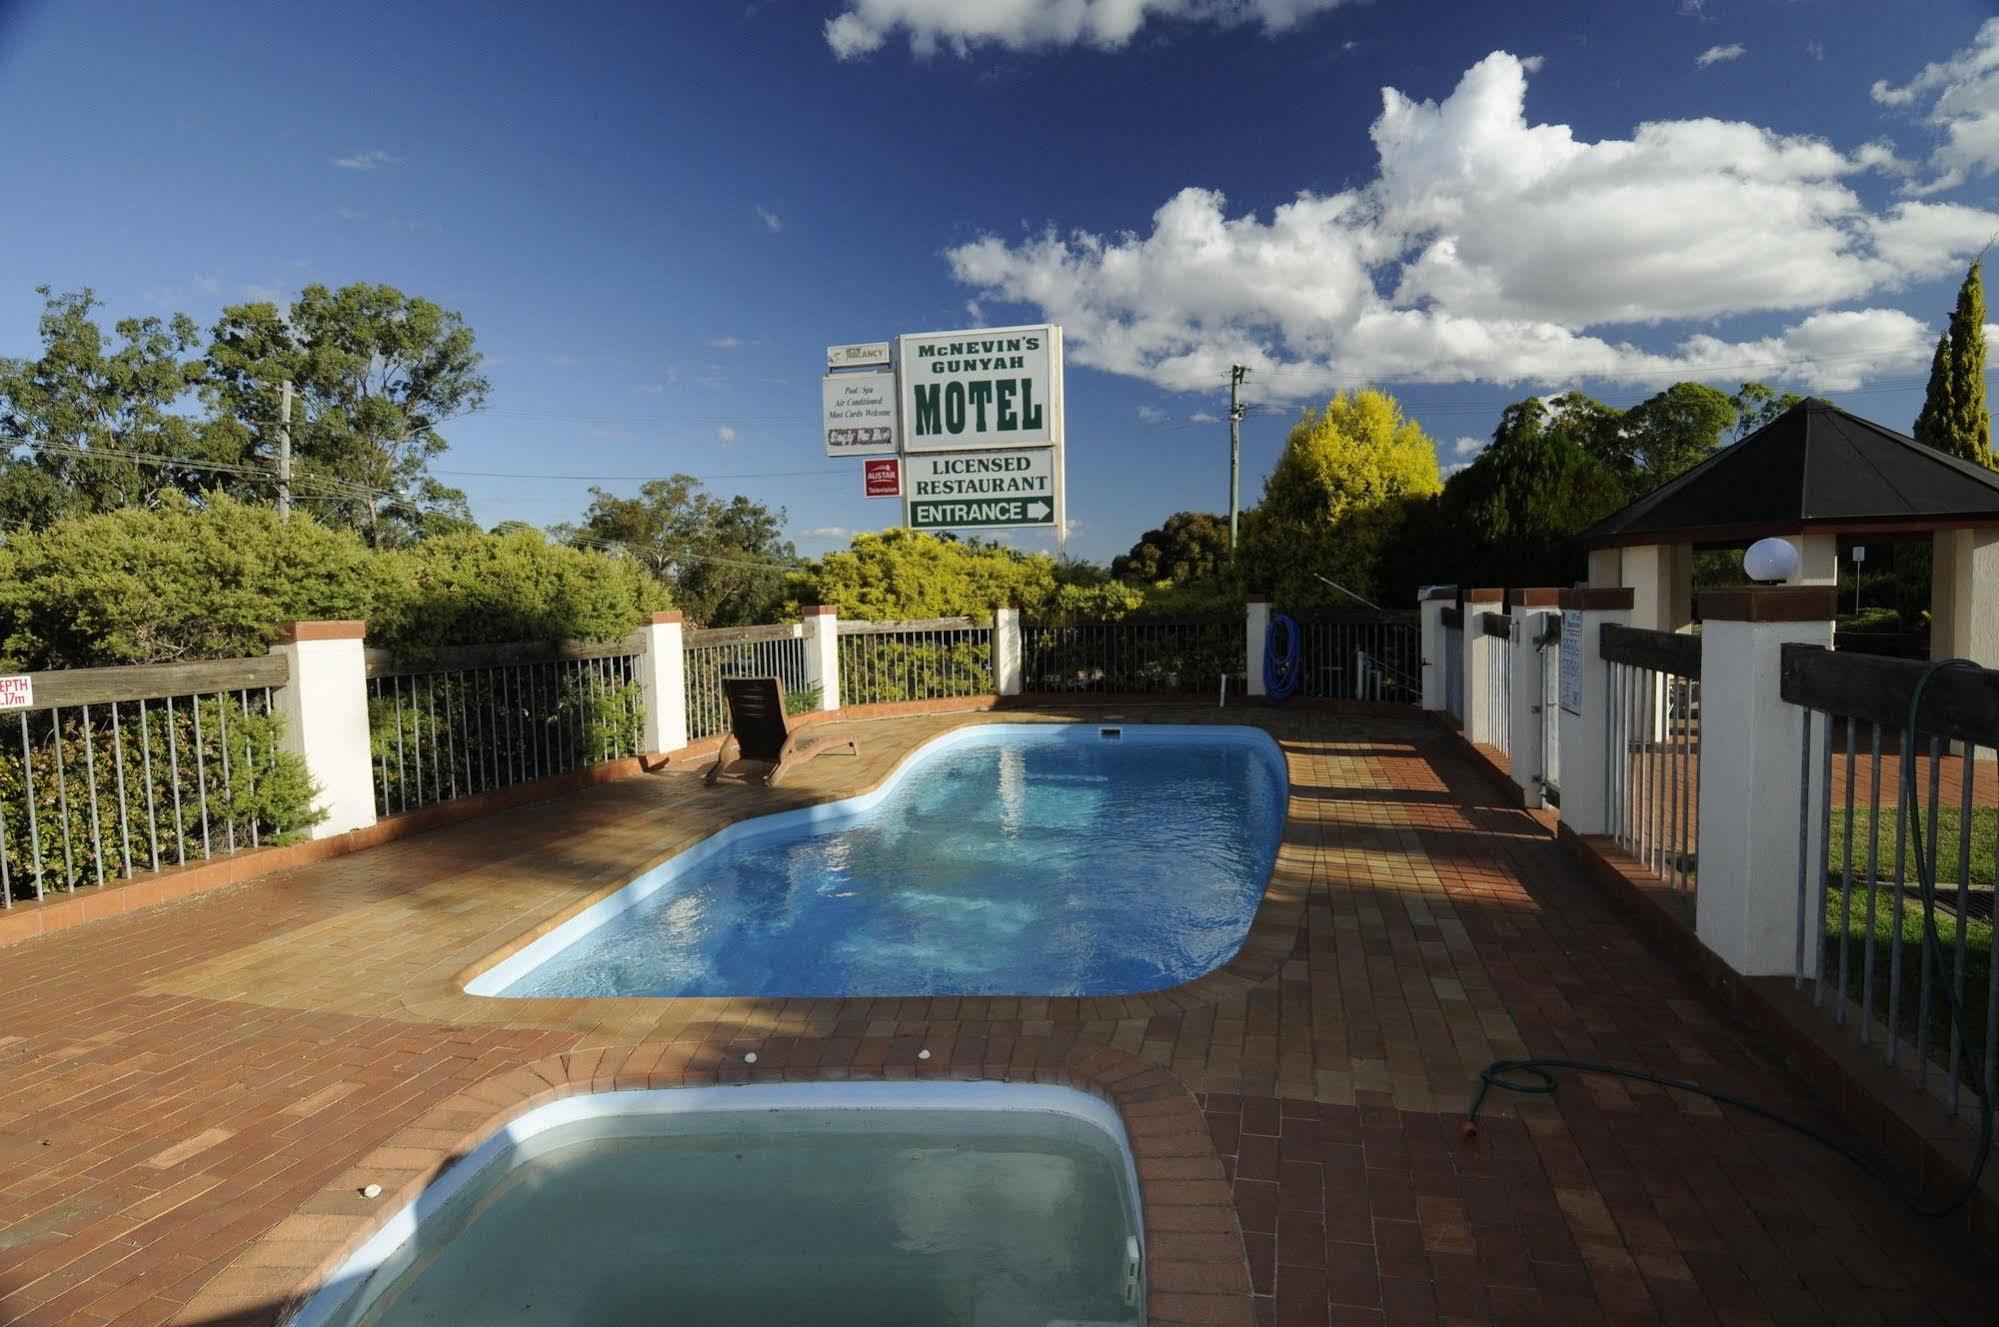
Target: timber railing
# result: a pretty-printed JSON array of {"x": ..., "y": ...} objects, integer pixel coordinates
[
  {"x": 113, "y": 772},
  {"x": 474, "y": 719}
]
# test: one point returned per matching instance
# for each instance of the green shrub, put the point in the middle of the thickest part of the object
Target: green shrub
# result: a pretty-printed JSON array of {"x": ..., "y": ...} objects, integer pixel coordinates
[
  {"x": 217, "y": 580},
  {"x": 175, "y": 582}
]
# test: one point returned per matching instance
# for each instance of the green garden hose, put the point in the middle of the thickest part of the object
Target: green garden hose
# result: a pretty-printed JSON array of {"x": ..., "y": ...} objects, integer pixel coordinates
[{"x": 1540, "y": 1082}]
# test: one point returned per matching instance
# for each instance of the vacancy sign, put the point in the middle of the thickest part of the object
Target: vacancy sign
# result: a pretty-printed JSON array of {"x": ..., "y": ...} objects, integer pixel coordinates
[
  {"x": 860, "y": 413},
  {"x": 981, "y": 490},
  {"x": 866, "y": 355},
  {"x": 884, "y": 477},
  {"x": 996, "y": 387},
  {"x": 16, "y": 693}
]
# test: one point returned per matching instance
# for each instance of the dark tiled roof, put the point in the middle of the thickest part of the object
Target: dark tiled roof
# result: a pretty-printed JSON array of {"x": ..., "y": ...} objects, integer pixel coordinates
[{"x": 1813, "y": 464}]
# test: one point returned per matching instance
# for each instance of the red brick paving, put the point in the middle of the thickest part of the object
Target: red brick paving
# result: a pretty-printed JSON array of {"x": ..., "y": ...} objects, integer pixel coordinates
[{"x": 189, "y": 1090}]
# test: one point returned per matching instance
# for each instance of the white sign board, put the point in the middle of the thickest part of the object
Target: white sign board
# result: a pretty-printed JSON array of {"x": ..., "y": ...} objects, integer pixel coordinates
[
  {"x": 866, "y": 355},
  {"x": 1572, "y": 661},
  {"x": 997, "y": 387},
  {"x": 860, "y": 413},
  {"x": 980, "y": 490},
  {"x": 16, "y": 693}
]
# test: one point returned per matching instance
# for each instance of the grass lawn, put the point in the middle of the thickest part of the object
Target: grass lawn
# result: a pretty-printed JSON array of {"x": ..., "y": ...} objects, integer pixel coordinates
[
  {"x": 1906, "y": 935},
  {"x": 1984, "y": 833}
]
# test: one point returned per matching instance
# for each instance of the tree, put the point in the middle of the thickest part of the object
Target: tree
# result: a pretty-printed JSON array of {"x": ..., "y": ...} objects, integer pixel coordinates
[
  {"x": 1670, "y": 433},
  {"x": 1757, "y": 404},
  {"x": 1190, "y": 546},
  {"x": 1339, "y": 491},
  {"x": 726, "y": 563},
  {"x": 86, "y": 405},
  {"x": 1954, "y": 417},
  {"x": 377, "y": 374}
]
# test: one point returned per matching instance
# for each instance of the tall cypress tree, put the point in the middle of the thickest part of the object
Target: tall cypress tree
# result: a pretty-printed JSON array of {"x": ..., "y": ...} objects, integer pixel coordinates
[
  {"x": 1970, "y": 421},
  {"x": 1954, "y": 418},
  {"x": 1932, "y": 425}
]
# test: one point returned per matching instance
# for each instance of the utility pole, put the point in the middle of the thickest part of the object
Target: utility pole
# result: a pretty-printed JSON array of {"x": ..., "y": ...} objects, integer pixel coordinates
[
  {"x": 285, "y": 450},
  {"x": 1237, "y": 372}
]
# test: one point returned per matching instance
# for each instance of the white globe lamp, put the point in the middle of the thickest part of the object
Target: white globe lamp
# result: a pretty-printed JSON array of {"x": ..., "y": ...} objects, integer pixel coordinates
[{"x": 1771, "y": 560}]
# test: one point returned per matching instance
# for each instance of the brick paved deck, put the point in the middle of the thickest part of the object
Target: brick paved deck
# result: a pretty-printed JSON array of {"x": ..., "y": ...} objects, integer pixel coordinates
[{"x": 192, "y": 1094}]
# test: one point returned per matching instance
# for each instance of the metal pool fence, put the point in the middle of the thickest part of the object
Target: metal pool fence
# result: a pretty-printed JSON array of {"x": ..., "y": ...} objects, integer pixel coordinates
[
  {"x": 472, "y": 720},
  {"x": 1652, "y": 757},
  {"x": 928, "y": 659},
  {"x": 770, "y": 651},
  {"x": 1361, "y": 658},
  {"x": 1859, "y": 912},
  {"x": 117, "y": 771},
  {"x": 1133, "y": 656},
  {"x": 1548, "y": 650}
]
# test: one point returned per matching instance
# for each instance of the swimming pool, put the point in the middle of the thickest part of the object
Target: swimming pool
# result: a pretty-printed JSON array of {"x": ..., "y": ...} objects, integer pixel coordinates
[
  {"x": 1000, "y": 859},
  {"x": 977, "y": 1203}
]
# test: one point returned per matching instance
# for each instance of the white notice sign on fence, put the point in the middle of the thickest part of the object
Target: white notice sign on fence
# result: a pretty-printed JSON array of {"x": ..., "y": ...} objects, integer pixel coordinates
[
  {"x": 16, "y": 693},
  {"x": 1572, "y": 661}
]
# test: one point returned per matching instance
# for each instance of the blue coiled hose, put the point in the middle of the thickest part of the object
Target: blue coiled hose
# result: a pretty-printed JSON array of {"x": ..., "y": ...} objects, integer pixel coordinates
[{"x": 1280, "y": 666}]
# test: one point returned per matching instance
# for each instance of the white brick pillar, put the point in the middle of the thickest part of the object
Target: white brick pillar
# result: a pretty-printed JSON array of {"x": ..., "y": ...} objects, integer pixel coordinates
[
  {"x": 324, "y": 706},
  {"x": 822, "y": 653},
  {"x": 1964, "y": 596},
  {"x": 1757, "y": 781},
  {"x": 1818, "y": 559},
  {"x": 1585, "y": 726},
  {"x": 663, "y": 682},
  {"x": 1430, "y": 611},
  {"x": 1007, "y": 669},
  {"x": 1480, "y": 651},
  {"x": 1533, "y": 612},
  {"x": 1256, "y": 630}
]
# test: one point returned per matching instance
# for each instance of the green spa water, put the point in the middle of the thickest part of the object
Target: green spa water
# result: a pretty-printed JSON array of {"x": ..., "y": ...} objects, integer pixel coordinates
[{"x": 990, "y": 1217}]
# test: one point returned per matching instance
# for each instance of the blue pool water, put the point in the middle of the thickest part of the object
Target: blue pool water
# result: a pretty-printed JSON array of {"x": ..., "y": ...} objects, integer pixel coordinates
[{"x": 1015, "y": 859}]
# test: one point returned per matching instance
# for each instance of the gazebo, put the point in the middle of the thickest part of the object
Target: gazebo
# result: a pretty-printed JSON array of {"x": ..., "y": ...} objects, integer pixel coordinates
[{"x": 1814, "y": 473}]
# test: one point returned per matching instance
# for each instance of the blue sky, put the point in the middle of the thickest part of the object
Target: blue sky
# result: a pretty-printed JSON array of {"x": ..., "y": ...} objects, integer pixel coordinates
[{"x": 657, "y": 216}]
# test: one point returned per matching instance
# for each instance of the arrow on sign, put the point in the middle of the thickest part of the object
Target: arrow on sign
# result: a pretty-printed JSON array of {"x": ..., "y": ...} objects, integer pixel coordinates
[{"x": 1039, "y": 511}]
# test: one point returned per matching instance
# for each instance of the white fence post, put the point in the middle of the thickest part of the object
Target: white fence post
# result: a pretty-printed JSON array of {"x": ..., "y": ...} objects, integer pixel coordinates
[
  {"x": 663, "y": 682},
  {"x": 1533, "y": 610},
  {"x": 1256, "y": 630},
  {"x": 1430, "y": 643},
  {"x": 325, "y": 711},
  {"x": 1585, "y": 730},
  {"x": 822, "y": 653},
  {"x": 1007, "y": 658},
  {"x": 1756, "y": 780},
  {"x": 1481, "y": 723}
]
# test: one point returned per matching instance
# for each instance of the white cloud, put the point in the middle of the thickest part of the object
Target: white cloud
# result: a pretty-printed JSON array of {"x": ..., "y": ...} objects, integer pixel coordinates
[
  {"x": 772, "y": 221},
  {"x": 1815, "y": 48},
  {"x": 1466, "y": 448},
  {"x": 726, "y": 343},
  {"x": 725, "y": 435},
  {"x": 1203, "y": 417},
  {"x": 865, "y": 26},
  {"x": 350, "y": 214},
  {"x": 833, "y": 532},
  {"x": 1152, "y": 414},
  {"x": 207, "y": 285},
  {"x": 1962, "y": 94},
  {"x": 1490, "y": 248},
  {"x": 1715, "y": 55},
  {"x": 367, "y": 161}
]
